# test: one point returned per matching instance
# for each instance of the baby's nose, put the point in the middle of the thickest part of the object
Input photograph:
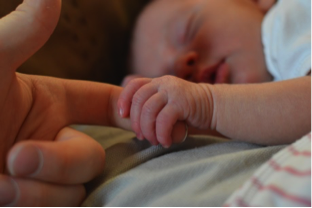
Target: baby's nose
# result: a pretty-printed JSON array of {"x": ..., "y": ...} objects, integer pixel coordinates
[{"x": 186, "y": 66}]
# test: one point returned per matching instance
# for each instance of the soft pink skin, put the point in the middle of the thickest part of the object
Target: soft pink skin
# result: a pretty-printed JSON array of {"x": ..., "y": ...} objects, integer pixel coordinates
[
  {"x": 38, "y": 152},
  {"x": 156, "y": 105},
  {"x": 212, "y": 52},
  {"x": 215, "y": 42},
  {"x": 257, "y": 113},
  {"x": 189, "y": 38}
]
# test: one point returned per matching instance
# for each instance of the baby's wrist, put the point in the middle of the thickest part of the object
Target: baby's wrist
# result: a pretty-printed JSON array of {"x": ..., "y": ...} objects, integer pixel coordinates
[{"x": 207, "y": 105}]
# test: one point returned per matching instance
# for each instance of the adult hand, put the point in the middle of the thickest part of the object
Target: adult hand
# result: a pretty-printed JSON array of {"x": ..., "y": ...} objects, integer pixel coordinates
[{"x": 42, "y": 161}]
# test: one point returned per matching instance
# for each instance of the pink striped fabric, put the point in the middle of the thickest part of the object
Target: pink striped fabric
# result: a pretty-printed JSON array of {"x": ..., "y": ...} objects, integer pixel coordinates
[{"x": 285, "y": 180}]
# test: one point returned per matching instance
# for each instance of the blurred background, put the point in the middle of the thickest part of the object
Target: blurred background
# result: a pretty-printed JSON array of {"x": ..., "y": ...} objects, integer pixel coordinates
[{"x": 91, "y": 41}]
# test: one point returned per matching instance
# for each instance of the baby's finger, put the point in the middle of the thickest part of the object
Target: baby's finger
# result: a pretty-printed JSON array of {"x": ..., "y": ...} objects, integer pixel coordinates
[
  {"x": 179, "y": 132},
  {"x": 128, "y": 78},
  {"x": 125, "y": 98},
  {"x": 138, "y": 101},
  {"x": 165, "y": 121},
  {"x": 149, "y": 113},
  {"x": 73, "y": 158},
  {"x": 19, "y": 192}
]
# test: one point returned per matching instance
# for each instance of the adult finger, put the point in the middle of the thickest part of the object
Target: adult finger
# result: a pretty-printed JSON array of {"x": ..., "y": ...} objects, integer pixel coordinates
[
  {"x": 25, "y": 30},
  {"x": 84, "y": 102},
  {"x": 73, "y": 158},
  {"x": 25, "y": 192}
]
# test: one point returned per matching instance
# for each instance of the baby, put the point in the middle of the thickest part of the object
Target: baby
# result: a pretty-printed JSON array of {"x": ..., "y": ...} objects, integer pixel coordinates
[{"x": 224, "y": 56}]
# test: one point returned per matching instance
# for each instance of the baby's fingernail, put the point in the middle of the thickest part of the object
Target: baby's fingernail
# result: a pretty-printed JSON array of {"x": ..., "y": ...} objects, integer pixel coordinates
[
  {"x": 26, "y": 160},
  {"x": 140, "y": 136},
  {"x": 8, "y": 191},
  {"x": 166, "y": 146},
  {"x": 121, "y": 112}
]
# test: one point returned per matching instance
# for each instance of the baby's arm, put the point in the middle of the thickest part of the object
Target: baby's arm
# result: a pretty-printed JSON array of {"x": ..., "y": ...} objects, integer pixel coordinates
[{"x": 267, "y": 113}]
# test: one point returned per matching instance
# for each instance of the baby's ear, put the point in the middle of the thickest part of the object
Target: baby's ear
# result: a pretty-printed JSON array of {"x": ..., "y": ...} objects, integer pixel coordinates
[{"x": 264, "y": 5}]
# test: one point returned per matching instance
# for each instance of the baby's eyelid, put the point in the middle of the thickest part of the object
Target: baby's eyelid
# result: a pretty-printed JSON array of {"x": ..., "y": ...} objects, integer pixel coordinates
[{"x": 189, "y": 29}]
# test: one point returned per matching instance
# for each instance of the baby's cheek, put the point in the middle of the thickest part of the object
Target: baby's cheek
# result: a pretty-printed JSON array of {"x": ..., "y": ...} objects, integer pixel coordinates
[{"x": 247, "y": 78}]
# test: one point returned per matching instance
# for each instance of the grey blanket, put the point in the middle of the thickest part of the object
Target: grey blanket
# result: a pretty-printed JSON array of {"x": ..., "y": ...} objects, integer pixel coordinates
[{"x": 202, "y": 171}]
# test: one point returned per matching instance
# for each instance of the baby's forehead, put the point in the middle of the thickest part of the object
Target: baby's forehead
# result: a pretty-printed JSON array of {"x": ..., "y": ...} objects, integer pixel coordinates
[
  {"x": 164, "y": 7},
  {"x": 162, "y": 11},
  {"x": 155, "y": 24}
]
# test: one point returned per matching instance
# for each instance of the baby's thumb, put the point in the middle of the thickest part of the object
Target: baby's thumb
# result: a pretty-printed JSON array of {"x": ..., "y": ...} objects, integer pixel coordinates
[
  {"x": 26, "y": 30},
  {"x": 179, "y": 132}
]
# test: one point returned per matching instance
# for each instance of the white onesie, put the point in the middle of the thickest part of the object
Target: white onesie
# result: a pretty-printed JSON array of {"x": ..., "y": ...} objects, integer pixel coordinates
[{"x": 286, "y": 36}]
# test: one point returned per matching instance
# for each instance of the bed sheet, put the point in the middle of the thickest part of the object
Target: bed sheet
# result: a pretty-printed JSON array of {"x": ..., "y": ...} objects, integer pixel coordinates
[{"x": 202, "y": 171}]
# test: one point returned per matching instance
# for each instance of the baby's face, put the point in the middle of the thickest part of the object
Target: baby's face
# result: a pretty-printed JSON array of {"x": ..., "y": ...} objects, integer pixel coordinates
[{"x": 212, "y": 41}]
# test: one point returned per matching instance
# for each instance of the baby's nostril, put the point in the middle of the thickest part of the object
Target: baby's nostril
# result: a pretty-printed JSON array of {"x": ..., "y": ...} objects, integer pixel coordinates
[
  {"x": 190, "y": 62},
  {"x": 213, "y": 78}
]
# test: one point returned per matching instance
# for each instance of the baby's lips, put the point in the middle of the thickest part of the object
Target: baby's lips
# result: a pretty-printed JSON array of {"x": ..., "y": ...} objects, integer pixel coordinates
[{"x": 223, "y": 74}]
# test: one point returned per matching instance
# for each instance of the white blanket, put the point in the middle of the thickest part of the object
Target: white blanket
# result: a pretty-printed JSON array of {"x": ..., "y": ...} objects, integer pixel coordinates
[
  {"x": 202, "y": 171},
  {"x": 285, "y": 180}
]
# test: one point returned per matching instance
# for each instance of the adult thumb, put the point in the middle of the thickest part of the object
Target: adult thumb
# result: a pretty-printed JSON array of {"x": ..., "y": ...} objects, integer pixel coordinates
[{"x": 26, "y": 30}]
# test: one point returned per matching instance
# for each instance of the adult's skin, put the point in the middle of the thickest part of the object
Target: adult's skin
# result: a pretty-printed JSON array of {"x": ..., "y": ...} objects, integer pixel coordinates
[{"x": 35, "y": 112}]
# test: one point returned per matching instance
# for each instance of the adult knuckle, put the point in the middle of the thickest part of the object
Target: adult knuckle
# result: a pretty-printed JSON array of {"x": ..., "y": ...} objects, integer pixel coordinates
[{"x": 61, "y": 172}]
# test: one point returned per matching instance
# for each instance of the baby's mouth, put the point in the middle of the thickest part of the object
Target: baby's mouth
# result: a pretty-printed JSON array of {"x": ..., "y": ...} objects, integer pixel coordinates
[{"x": 215, "y": 74}]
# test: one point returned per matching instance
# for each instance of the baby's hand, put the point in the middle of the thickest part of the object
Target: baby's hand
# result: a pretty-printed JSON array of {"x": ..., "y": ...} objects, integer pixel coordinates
[{"x": 156, "y": 105}]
